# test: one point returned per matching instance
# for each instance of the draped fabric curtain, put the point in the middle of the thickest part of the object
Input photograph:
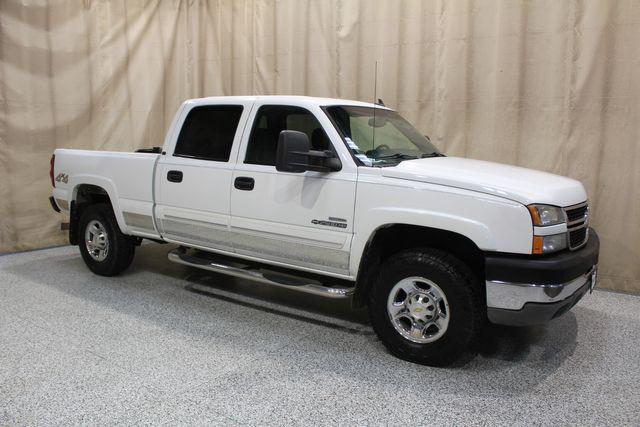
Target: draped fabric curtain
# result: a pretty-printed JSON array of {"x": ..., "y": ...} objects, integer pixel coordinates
[{"x": 546, "y": 84}]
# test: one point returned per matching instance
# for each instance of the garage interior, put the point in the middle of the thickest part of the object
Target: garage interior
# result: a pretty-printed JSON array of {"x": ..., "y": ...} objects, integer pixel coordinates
[{"x": 547, "y": 85}]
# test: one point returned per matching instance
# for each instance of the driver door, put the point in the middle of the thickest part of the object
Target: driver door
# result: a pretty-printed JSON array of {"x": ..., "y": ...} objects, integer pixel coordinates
[{"x": 300, "y": 219}]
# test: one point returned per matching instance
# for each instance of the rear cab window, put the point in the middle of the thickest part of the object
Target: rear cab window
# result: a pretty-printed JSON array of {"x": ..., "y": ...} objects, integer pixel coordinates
[{"x": 208, "y": 132}]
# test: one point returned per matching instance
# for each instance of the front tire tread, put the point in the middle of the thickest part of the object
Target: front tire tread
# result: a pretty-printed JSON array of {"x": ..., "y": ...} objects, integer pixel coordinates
[{"x": 462, "y": 287}]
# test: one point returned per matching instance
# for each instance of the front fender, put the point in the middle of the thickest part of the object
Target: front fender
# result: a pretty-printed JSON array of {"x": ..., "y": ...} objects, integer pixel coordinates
[{"x": 490, "y": 222}]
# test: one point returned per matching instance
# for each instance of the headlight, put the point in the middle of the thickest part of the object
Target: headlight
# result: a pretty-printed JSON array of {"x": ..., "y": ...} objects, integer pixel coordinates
[
  {"x": 542, "y": 215},
  {"x": 548, "y": 244}
]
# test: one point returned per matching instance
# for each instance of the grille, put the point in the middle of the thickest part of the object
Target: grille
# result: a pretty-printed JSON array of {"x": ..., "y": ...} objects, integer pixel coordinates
[
  {"x": 577, "y": 225},
  {"x": 577, "y": 237},
  {"x": 574, "y": 214}
]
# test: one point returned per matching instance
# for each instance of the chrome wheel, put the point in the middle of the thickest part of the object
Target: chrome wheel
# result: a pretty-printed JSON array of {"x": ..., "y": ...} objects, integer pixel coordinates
[
  {"x": 96, "y": 240},
  {"x": 418, "y": 310}
]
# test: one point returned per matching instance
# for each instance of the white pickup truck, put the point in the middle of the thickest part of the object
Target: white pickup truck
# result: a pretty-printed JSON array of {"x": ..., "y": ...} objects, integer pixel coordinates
[{"x": 341, "y": 199}]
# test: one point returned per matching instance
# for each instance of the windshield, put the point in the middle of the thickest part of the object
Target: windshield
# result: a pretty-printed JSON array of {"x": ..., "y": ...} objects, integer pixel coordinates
[{"x": 384, "y": 141}]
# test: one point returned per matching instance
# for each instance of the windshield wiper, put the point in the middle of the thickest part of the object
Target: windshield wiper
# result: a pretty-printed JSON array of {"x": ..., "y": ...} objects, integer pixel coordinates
[
  {"x": 397, "y": 156},
  {"x": 434, "y": 154}
]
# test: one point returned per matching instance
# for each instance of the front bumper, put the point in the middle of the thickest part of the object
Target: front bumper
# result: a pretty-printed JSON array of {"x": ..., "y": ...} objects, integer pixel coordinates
[{"x": 526, "y": 290}]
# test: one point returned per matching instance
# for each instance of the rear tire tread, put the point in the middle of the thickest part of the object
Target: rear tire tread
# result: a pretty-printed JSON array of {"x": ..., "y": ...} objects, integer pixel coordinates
[{"x": 121, "y": 246}]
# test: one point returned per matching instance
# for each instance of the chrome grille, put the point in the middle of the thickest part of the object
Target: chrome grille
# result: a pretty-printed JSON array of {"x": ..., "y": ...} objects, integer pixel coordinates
[
  {"x": 577, "y": 214},
  {"x": 577, "y": 237},
  {"x": 577, "y": 225}
]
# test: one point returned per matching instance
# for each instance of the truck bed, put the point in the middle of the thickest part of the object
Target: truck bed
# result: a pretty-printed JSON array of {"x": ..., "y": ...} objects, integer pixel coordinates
[{"x": 127, "y": 178}]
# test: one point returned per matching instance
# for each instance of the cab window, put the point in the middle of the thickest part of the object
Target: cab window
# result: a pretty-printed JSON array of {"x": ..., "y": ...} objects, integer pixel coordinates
[
  {"x": 273, "y": 119},
  {"x": 208, "y": 132}
]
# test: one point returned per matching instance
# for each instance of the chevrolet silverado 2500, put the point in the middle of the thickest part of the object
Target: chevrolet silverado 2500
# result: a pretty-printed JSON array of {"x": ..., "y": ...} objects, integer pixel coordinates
[{"x": 340, "y": 199}]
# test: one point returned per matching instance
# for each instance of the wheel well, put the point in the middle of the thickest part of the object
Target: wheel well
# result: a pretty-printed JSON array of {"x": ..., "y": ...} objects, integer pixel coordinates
[
  {"x": 85, "y": 195},
  {"x": 393, "y": 238}
]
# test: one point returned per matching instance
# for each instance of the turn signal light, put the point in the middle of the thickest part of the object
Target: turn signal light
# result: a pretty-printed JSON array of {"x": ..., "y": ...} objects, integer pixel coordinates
[
  {"x": 538, "y": 242},
  {"x": 534, "y": 214}
]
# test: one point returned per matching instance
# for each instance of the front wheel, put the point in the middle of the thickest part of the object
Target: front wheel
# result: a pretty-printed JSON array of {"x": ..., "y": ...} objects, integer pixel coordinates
[
  {"x": 104, "y": 248},
  {"x": 426, "y": 306}
]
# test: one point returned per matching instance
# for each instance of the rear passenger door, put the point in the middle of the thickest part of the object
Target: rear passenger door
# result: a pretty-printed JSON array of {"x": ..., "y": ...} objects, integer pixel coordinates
[{"x": 193, "y": 181}]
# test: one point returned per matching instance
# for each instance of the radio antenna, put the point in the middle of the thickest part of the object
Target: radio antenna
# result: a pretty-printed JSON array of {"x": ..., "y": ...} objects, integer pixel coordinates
[{"x": 375, "y": 97}]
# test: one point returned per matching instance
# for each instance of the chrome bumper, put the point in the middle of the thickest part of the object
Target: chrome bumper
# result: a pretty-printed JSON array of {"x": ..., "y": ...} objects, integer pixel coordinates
[{"x": 514, "y": 296}]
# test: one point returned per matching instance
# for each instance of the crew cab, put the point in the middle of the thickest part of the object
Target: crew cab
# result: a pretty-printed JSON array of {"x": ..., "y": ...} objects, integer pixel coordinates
[{"x": 340, "y": 199}]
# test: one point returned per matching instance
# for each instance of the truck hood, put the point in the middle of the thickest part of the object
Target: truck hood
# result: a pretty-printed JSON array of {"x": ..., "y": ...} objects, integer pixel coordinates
[{"x": 522, "y": 185}]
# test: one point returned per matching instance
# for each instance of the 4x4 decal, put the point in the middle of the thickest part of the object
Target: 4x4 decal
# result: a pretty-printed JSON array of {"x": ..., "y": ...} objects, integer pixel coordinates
[{"x": 62, "y": 177}]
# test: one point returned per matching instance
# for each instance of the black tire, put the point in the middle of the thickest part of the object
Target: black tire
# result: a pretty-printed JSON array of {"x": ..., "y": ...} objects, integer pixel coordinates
[
  {"x": 121, "y": 248},
  {"x": 466, "y": 306}
]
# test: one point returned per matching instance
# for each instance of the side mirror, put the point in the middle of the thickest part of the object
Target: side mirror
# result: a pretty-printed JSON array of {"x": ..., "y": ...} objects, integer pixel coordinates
[
  {"x": 294, "y": 155},
  {"x": 291, "y": 145}
]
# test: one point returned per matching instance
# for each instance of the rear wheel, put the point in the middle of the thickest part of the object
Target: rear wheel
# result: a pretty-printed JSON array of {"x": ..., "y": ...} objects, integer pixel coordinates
[
  {"x": 426, "y": 306},
  {"x": 104, "y": 248}
]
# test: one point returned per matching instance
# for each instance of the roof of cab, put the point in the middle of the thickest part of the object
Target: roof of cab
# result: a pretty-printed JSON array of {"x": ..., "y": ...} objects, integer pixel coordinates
[{"x": 283, "y": 99}]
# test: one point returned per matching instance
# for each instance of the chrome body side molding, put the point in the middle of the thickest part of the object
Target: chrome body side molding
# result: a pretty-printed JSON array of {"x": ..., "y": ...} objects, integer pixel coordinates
[{"x": 137, "y": 220}]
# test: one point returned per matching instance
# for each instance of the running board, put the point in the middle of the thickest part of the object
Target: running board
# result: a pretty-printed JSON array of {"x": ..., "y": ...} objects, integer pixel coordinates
[{"x": 257, "y": 274}]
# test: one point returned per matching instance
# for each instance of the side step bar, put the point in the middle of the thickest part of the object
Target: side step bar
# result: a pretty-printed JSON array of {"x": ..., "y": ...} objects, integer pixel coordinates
[{"x": 262, "y": 275}]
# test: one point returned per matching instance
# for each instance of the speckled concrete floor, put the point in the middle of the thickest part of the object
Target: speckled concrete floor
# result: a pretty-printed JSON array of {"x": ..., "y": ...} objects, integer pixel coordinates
[{"x": 168, "y": 344}]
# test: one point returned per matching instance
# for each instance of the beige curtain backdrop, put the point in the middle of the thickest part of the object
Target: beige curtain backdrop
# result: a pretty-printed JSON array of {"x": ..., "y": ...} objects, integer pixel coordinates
[{"x": 551, "y": 85}]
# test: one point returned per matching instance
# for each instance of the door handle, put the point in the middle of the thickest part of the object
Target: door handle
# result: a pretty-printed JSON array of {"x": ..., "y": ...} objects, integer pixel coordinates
[
  {"x": 174, "y": 176},
  {"x": 245, "y": 183}
]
